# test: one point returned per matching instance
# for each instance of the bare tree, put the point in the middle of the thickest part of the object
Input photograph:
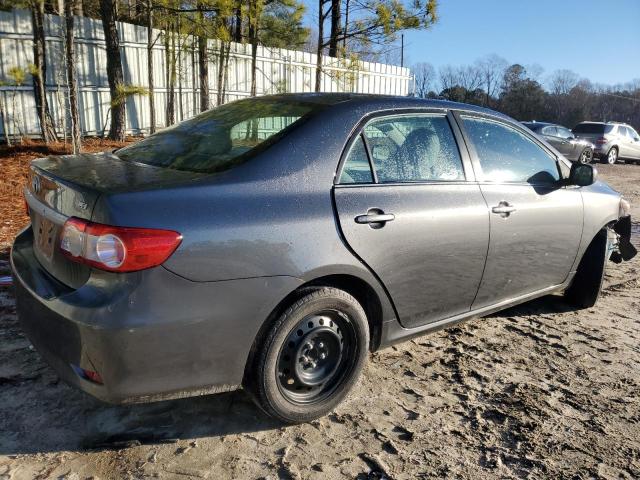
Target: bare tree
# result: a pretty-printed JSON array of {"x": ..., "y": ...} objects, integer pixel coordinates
[
  {"x": 425, "y": 78},
  {"x": 76, "y": 141},
  {"x": 491, "y": 69},
  {"x": 562, "y": 81},
  {"x": 109, "y": 15},
  {"x": 39, "y": 73}
]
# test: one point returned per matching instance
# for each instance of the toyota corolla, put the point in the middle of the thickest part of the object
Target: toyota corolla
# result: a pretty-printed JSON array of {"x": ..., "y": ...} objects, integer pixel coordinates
[{"x": 272, "y": 242}]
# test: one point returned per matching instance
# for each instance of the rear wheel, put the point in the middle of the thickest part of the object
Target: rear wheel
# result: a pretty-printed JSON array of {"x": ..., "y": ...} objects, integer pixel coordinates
[
  {"x": 311, "y": 356},
  {"x": 587, "y": 283},
  {"x": 586, "y": 156}
]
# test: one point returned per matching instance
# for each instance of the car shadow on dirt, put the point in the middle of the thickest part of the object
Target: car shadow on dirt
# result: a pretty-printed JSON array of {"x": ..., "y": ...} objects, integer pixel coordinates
[{"x": 39, "y": 413}]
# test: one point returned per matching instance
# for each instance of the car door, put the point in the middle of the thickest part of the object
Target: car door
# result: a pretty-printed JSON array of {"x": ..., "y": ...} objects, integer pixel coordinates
[
  {"x": 634, "y": 143},
  {"x": 536, "y": 223},
  {"x": 624, "y": 142},
  {"x": 569, "y": 148},
  {"x": 550, "y": 134},
  {"x": 408, "y": 207}
]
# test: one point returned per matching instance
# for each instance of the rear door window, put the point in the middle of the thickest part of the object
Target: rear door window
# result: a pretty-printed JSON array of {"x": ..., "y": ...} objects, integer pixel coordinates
[
  {"x": 507, "y": 155},
  {"x": 413, "y": 148}
]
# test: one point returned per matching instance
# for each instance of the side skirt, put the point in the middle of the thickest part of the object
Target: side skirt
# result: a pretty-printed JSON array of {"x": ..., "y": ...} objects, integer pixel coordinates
[{"x": 393, "y": 332}]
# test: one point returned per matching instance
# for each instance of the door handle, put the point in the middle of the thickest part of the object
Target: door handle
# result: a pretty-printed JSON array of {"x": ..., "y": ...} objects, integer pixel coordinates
[
  {"x": 504, "y": 209},
  {"x": 375, "y": 217}
]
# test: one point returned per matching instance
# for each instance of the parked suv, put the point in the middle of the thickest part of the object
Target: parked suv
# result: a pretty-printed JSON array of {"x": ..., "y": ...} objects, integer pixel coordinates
[
  {"x": 563, "y": 140},
  {"x": 612, "y": 140}
]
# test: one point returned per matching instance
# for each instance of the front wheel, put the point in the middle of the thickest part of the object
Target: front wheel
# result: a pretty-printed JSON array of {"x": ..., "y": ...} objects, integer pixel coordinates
[
  {"x": 311, "y": 357},
  {"x": 612, "y": 156}
]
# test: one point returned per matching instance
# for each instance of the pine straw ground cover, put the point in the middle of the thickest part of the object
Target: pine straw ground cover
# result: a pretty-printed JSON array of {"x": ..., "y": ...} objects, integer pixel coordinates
[{"x": 14, "y": 165}]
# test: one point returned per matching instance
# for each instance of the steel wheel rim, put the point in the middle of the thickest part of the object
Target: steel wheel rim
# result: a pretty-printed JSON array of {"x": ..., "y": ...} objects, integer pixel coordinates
[
  {"x": 316, "y": 357},
  {"x": 612, "y": 157}
]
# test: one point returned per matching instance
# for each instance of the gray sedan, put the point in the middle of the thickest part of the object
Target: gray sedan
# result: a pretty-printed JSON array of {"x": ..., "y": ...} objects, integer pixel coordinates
[{"x": 271, "y": 243}]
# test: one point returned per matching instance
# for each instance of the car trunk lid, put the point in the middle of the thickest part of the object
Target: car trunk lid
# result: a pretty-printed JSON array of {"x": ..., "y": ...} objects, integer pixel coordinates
[{"x": 60, "y": 187}]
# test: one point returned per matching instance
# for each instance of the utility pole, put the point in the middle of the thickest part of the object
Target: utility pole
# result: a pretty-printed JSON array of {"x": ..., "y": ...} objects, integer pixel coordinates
[{"x": 401, "y": 50}]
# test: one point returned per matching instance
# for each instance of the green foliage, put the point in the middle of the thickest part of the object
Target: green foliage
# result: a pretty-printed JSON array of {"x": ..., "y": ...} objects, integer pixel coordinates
[
  {"x": 379, "y": 21},
  {"x": 124, "y": 91},
  {"x": 281, "y": 25},
  {"x": 17, "y": 75}
]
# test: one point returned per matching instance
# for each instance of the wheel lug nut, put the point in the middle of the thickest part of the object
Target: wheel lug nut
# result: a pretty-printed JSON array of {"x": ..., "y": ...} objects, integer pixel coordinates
[{"x": 323, "y": 356}]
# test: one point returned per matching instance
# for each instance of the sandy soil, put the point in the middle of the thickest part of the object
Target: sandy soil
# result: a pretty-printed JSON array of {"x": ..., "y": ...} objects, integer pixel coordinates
[{"x": 538, "y": 391}]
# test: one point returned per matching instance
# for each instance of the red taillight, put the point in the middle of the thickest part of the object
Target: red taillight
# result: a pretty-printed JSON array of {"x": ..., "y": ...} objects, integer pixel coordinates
[
  {"x": 116, "y": 249},
  {"x": 601, "y": 141}
]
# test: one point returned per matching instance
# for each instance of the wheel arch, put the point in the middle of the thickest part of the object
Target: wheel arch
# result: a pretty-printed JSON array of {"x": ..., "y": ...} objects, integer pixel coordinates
[{"x": 356, "y": 286}]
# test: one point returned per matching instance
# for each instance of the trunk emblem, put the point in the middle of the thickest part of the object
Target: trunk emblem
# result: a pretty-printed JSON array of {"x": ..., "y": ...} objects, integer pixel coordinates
[{"x": 36, "y": 184}]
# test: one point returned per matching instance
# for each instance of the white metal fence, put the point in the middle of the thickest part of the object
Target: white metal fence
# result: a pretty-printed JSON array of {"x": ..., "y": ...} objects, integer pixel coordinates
[{"x": 279, "y": 70}]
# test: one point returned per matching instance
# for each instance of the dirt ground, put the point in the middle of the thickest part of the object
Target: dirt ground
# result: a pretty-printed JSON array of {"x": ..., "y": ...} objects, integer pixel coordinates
[{"x": 538, "y": 391}]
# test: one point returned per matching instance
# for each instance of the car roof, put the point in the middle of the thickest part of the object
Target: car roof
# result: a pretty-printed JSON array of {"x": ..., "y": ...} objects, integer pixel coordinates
[{"x": 374, "y": 101}]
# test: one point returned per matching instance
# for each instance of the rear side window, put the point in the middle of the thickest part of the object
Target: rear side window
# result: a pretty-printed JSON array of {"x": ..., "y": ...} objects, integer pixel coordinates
[
  {"x": 551, "y": 131},
  {"x": 356, "y": 167},
  {"x": 564, "y": 132},
  {"x": 413, "y": 148},
  {"x": 506, "y": 155},
  {"x": 221, "y": 138}
]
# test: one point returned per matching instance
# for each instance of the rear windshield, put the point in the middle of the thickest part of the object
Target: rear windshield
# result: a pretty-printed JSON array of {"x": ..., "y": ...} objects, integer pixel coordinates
[
  {"x": 597, "y": 128},
  {"x": 221, "y": 138}
]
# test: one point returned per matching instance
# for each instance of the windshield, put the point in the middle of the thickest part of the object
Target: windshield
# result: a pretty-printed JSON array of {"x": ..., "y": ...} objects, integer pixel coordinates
[
  {"x": 221, "y": 138},
  {"x": 596, "y": 128}
]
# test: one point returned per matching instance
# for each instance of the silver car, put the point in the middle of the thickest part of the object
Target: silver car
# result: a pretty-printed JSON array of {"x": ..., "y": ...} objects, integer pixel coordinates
[
  {"x": 272, "y": 242},
  {"x": 612, "y": 140}
]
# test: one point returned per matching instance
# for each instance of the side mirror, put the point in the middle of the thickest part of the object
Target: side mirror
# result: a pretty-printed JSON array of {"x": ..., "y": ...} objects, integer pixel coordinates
[{"x": 582, "y": 175}]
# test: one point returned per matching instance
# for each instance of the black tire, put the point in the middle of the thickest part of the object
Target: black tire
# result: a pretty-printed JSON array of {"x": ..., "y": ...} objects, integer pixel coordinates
[
  {"x": 311, "y": 356},
  {"x": 587, "y": 284}
]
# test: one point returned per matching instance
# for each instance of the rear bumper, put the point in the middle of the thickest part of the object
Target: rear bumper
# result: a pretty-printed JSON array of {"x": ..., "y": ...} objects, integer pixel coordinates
[{"x": 150, "y": 335}]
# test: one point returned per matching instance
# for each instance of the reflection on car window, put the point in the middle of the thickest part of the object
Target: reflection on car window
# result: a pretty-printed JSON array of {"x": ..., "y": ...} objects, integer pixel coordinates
[
  {"x": 564, "y": 132},
  {"x": 506, "y": 155},
  {"x": 356, "y": 168},
  {"x": 218, "y": 139},
  {"x": 414, "y": 148}
]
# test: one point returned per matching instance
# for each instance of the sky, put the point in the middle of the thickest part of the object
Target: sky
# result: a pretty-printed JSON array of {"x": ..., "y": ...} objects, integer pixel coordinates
[{"x": 597, "y": 39}]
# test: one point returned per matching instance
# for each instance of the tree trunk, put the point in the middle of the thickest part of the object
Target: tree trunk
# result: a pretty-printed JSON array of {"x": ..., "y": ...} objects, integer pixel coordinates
[
  {"x": 334, "y": 36},
  {"x": 237, "y": 33},
  {"x": 40, "y": 77},
  {"x": 254, "y": 19},
  {"x": 319, "y": 49},
  {"x": 223, "y": 63},
  {"x": 150, "y": 42},
  {"x": 109, "y": 14},
  {"x": 203, "y": 63},
  {"x": 170, "y": 45},
  {"x": 76, "y": 141},
  {"x": 346, "y": 27}
]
